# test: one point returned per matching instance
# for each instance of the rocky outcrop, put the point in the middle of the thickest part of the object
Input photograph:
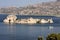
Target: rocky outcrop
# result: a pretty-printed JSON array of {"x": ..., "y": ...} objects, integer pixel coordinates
[
  {"x": 13, "y": 19},
  {"x": 10, "y": 19}
]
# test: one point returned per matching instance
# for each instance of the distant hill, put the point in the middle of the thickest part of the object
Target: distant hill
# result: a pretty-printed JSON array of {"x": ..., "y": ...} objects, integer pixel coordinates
[
  {"x": 58, "y": 0},
  {"x": 47, "y": 8}
]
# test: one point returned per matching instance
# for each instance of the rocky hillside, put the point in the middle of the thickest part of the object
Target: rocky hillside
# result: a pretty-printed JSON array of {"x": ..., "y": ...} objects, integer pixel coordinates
[{"x": 49, "y": 8}]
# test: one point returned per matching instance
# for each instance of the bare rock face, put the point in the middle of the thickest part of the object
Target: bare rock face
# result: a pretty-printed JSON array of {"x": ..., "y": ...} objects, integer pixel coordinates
[{"x": 10, "y": 19}]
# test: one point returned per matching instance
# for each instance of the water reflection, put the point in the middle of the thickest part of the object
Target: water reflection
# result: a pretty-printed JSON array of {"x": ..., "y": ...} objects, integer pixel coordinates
[
  {"x": 29, "y": 29},
  {"x": 27, "y": 32},
  {"x": 51, "y": 27},
  {"x": 11, "y": 29},
  {"x": 32, "y": 32}
]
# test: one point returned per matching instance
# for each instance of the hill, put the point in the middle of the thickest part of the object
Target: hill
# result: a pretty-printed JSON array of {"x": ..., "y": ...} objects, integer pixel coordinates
[{"x": 47, "y": 8}]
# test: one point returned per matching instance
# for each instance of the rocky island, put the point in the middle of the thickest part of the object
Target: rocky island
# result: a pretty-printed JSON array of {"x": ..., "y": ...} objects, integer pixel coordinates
[{"x": 13, "y": 19}]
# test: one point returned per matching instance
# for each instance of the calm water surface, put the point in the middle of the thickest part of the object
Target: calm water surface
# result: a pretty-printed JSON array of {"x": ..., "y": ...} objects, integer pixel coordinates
[{"x": 27, "y": 31}]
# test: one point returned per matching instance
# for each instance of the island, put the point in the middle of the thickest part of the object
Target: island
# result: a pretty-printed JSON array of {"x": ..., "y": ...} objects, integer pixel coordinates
[{"x": 13, "y": 19}]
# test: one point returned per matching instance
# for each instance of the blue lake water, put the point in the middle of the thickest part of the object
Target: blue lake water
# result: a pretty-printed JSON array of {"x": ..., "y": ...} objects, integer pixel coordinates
[{"x": 27, "y": 31}]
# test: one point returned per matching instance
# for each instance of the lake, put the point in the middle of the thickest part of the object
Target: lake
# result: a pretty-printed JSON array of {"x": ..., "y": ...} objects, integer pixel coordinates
[{"x": 28, "y": 31}]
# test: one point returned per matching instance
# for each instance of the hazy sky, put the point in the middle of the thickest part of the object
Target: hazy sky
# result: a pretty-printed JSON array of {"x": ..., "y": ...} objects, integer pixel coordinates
[{"x": 5, "y": 3}]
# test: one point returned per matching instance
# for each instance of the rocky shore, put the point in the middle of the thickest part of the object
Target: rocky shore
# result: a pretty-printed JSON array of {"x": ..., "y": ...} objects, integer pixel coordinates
[{"x": 13, "y": 19}]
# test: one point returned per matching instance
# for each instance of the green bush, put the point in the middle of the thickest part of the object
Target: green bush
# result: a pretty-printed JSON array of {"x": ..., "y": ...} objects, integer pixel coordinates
[
  {"x": 40, "y": 38},
  {"x": 52, "y": 37},
  {"x": 58, "y": 36}
]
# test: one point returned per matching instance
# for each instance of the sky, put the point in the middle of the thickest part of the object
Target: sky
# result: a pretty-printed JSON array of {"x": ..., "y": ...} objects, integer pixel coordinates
[{"x": 19, "y": 3}]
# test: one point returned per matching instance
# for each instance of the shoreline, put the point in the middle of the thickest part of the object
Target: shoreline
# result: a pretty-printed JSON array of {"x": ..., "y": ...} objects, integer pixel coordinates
[{"x": 32, "y": 15}]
